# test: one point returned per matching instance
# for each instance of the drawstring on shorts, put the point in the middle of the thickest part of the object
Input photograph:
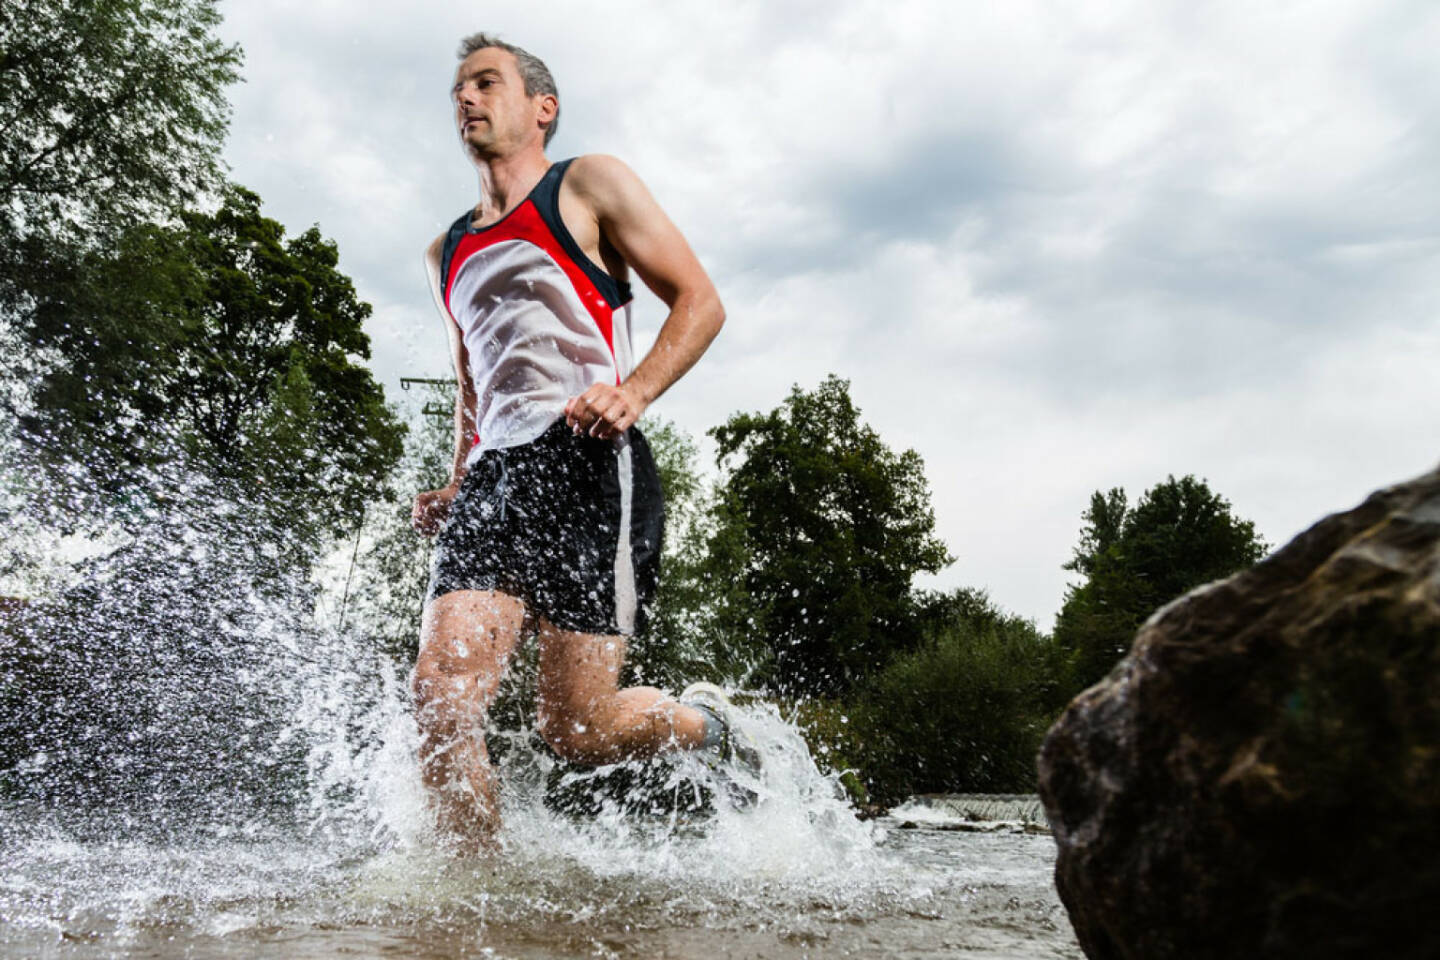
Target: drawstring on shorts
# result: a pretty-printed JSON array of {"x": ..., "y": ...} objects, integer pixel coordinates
[{"x": 502, "y": 486}]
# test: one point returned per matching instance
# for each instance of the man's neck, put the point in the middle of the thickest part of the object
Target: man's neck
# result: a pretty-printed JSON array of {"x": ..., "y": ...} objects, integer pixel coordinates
[{"x": 506, "y": 181}]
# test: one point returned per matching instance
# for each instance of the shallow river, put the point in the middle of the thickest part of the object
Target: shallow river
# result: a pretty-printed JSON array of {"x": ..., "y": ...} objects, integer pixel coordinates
[
  {"x": 922, "y": 893},
  {"x": 795, "y": 876}
]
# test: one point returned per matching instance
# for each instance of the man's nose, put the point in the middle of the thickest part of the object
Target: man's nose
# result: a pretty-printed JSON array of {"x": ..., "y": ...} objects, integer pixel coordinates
[{"x": 466, "y": 95}]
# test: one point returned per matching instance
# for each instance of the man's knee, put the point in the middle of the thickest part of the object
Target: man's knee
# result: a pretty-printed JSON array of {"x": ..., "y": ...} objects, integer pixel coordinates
[
  {"x": 579, "y": 736},
  {"x": 446, "y": 687},
  {"x": 466, "y": 639}
]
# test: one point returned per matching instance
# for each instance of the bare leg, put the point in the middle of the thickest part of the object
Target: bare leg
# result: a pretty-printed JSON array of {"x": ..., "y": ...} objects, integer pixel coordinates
[
  {"x": 466, "y": 639},
  {"x": 586, "y": 718}
]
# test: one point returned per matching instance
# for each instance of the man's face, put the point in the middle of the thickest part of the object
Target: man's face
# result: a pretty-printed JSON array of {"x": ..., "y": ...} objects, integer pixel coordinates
[{"x": 492, "y": 112}]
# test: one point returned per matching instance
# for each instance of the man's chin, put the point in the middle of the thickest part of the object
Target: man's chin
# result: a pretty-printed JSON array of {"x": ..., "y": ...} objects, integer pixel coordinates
[{"x": 478, "y": 146}]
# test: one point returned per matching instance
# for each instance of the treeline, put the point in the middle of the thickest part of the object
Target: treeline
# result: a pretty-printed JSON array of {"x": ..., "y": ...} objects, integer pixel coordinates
[
  {"x": 792, "y": 574},
  {"x": 150, "y": 314}
]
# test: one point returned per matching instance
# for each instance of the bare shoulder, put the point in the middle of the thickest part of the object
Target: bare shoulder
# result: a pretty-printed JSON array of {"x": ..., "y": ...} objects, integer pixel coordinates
[
  {"x": 593, "y": 169},
  {"x": 604, "y": 181}
]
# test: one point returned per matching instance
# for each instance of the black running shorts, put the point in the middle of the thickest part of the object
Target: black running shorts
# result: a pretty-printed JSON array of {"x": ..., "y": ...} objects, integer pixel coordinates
[{"x": 570, "y": 525}]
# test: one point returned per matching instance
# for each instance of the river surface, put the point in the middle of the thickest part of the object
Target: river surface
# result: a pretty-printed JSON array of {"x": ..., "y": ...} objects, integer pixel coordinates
[
  {"x": 795, "y": 876},
  {"x": 924, "y": 893}
]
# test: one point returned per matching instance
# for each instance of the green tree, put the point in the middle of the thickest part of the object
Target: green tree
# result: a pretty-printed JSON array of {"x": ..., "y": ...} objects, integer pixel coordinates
[
  {"x": 818, "y": 529},
  {"x": 113, "y": 112},
  {"x": 220, "y": 344},
  {"x": 1104, "y": 522},
  {"x": 964, "y": 711},
  {"x": 1179, "y": 535}
]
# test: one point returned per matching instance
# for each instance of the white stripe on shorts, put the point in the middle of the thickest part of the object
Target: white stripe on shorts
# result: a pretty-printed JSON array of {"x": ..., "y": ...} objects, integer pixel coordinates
[{"x": 625, "y": 595}]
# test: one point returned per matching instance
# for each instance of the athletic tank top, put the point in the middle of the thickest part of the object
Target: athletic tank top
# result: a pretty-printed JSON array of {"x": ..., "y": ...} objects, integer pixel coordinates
[{"x": 540, "y": 321}]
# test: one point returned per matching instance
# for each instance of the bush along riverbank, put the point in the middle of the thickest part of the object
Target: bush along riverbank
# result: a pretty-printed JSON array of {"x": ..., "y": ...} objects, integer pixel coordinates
[{"x": 961, "y": 712}]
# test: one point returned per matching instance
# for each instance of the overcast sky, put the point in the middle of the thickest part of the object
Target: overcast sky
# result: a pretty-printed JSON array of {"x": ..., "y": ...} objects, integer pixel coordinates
[{"x": 1055, "y": 247}]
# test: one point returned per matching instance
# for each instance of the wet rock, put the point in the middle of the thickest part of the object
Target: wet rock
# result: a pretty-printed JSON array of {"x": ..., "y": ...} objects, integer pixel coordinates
[
  {"x": 870, "y": 811},
  {"x": 1260, "y": 776}
]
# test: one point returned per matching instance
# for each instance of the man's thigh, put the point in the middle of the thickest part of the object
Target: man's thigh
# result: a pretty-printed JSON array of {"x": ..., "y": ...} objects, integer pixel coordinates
[
  {"x": 466, "y": 639},
  {"x": 576, "y": 669}
]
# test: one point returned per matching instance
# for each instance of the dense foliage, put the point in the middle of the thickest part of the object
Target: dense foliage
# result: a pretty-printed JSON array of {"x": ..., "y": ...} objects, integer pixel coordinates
[
  {"x": 1134, "y": 560},
  {"x": 219, "y": 341},
  {"x": 113, "y": 113},
  {"x": 963, "y": 712},
  {"x": 819, "y": 528}
]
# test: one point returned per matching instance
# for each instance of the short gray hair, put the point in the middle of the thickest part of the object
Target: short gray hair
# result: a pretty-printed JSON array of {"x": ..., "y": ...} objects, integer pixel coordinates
[{"x": 532, "y": 70}]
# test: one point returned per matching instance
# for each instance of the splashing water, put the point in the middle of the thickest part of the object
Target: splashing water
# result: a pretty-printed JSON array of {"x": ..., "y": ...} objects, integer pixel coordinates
[
  {"x": 191, "y": 766},
  {"x": 355, "y": 867}
]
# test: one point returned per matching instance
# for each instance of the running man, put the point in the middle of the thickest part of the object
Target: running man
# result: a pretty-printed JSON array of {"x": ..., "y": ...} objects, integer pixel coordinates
[{"x": 552, "y": 518}]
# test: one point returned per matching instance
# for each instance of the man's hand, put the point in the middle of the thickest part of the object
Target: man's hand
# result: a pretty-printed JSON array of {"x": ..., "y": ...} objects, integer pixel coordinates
[
  {"x": 604, "y": 411},
  {"x": 431, "y": 508}
]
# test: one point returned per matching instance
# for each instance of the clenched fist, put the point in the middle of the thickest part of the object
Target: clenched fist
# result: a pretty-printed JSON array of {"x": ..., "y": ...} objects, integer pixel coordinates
[
  {"x": 431, "y": 508},
  {"x": 603, "y": 411}
]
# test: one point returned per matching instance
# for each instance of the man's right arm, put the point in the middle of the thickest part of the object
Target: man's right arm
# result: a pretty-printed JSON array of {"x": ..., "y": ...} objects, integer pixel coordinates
[{"x": 432, "y": 506}]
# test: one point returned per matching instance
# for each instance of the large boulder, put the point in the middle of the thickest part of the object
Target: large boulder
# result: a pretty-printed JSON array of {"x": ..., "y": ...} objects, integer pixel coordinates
[{"x": 1260, "y": 776}]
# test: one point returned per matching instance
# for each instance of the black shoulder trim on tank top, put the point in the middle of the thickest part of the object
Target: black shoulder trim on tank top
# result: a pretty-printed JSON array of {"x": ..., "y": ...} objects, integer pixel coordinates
[
  {"x": 547, "y": 200},
  {"x": 447, "y": 253}
]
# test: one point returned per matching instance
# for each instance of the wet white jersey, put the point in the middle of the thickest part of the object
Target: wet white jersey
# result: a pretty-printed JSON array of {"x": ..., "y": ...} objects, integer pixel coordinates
[{"x": 540, "y": 321}]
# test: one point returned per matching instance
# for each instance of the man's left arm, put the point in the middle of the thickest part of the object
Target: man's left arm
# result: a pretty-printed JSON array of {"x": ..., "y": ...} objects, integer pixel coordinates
[{"x": 631, "y": 220}]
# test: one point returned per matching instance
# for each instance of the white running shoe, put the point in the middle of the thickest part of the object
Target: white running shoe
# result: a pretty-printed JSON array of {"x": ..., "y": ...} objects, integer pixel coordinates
[{"x": 736, "y": 746}]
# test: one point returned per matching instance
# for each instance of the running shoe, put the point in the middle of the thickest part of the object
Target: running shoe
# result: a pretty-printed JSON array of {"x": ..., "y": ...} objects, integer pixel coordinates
[{"x": 736, "y": 748}]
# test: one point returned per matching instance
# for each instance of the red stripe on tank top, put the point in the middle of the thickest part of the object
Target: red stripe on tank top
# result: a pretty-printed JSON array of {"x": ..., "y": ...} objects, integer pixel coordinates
[{"x": 525, "y": 223}]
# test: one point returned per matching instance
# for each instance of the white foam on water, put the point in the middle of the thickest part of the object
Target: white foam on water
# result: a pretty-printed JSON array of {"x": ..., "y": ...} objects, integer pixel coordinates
[
  {"x": 799, "y": 848},
  {"x": 799, "y": 830},
  {"x": 797, "y": 865},
  {"x": 918, "y": 812}
]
